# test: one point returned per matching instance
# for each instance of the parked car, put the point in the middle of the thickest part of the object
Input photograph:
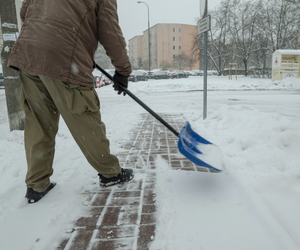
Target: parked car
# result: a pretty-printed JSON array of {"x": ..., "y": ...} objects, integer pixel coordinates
[
  {"x": 1, "y": 81},
  {"x": 150, "y": 73},
  {"x": 137, "y": 75},
  {"x": 191, "y": 73},
  {"x": 173, "y": 75},
  {"x": 198, "y": 72},
  {"x": 160, "y": 75},
  {"x": 178, "y": 74},
  {"x": 146, "y": 73}
]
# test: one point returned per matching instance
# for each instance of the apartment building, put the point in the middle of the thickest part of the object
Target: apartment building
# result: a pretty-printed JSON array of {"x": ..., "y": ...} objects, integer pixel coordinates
[
  {"x": 167, "y": 40},
  {"x": 135, "y": 48}
]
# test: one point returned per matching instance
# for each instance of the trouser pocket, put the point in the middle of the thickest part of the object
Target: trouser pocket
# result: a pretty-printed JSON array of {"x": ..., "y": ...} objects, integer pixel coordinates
[
  {"x": 81, "y": 99},
  {"x": 24, "y": 102}
]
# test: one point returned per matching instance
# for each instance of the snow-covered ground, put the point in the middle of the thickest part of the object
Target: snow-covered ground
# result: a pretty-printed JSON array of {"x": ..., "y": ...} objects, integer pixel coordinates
[{"x": 253, "y": 204}]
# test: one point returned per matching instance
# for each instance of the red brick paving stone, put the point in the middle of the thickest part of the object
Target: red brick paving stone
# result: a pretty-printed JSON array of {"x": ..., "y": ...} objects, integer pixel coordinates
[
  {"x": 95, "y": 210},
  {"x": 106, "y": 233},
  {"x": 213, "y": 171},
  {"x": 187, "y": 164},
  {"x": 149, "y": 208},
  {"x": 176, "y": 164},
  {"x": 126, "y": 194},
  {"x": 62, "y": 244},
  {"x": 129, "y": 146},
  {"x": 152, "y": 158},
  {"x": 174, "y": 151},
  {"x": 111, "y": 216},
  {"x": 119, "y": 244},
  {"x": 128, "y": 215},
  {"x": 81, "y": 240},
  {"x": 173, "y": 144},
  {"x": 146, "y": 236},
  {"x": 100, "y": 198},
  {"x": 134, "y": 185},
  {"x": 88, "y": 222},
  {"x": 125, "y": 201},
  {"x": 164, "y": 149},
  {"x": 149, "y": 197},
  {"x": 148, "y": 219},
  {"x": 201, "y": 169}
]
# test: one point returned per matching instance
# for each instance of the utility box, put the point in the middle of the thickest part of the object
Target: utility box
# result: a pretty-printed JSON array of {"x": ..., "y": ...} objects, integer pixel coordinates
[{"x": 285, "y": 64}]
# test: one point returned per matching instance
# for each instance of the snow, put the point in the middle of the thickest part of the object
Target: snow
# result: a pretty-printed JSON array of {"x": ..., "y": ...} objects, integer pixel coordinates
[
  {"x": 252, "y": 204},
  {"x": 211, "y": 154},
  {"x": 289, "y": 52}
]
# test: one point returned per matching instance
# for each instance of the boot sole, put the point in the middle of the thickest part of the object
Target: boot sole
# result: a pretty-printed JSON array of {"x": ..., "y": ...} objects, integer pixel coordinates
[{"x": 108, "y": 184}]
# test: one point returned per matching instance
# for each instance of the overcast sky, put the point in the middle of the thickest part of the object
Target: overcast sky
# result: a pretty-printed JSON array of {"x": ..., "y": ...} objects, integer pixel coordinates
[{"x": 134, "y": 17}]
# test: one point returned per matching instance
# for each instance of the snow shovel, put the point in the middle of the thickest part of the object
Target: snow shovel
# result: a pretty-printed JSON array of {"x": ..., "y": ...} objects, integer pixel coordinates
[{"x": 194, "y": 147}]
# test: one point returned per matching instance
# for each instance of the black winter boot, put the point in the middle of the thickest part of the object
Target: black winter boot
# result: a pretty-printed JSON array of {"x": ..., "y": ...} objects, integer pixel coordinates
[
  {"x": 34, "y": 196},
  {"x": 125, "y": 175}
]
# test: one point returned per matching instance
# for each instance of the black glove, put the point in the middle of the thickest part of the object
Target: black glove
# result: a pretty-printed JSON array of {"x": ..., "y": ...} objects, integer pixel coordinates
[{"x": 120, "y": 80}]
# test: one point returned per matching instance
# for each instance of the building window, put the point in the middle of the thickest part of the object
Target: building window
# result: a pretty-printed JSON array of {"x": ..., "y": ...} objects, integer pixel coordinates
[
  {"x": 179, "y": 39},
  {"x": 173, "y": 47},
  {"x": 179, "y": 30},
  {"x": 173, "y": 56},
  {"x": 173, "y": 29},
  {"x": 179, "y": 47},
  {"x": 173, "y": 38}
]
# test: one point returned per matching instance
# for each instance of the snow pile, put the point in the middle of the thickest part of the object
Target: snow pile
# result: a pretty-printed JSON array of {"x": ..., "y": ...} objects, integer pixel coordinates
[
  {"x": 254, "y": 204},
  {"x": 258, "y": 141}
]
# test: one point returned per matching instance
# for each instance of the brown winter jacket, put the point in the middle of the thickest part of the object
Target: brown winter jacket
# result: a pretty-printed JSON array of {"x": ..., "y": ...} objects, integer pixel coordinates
[{"x": 59, "y": 38}]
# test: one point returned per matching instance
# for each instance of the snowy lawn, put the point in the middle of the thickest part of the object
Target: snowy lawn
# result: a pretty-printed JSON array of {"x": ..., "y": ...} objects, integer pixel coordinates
[{"x": 253, "y": 204}]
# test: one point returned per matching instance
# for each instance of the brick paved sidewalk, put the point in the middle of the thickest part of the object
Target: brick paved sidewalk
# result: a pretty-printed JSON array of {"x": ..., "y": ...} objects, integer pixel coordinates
[{"x": 124, "y": 216}]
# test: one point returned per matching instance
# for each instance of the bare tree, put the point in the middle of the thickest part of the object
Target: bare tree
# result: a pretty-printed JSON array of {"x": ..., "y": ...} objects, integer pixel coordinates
[
  {"x": 219, "y": 39},
  {"x": 184, "y": 61},
  {"x": 165, "y": 65},
  {"x": 195, "y": 49},
  {"x": 280, "y": 23},
  {"x": 245, "y": 31},
  {"x": 145, "y": 64},
  {"x": 243, "y": 18}
]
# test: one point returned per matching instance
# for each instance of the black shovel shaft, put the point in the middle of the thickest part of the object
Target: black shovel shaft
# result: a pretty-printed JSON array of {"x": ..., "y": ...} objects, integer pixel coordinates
[{"x": 141, "y": 103}]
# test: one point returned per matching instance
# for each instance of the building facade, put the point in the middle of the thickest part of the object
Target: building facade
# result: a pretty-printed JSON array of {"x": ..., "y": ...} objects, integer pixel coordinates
[
  {"x": 168, "y": 42},
  {"x": 135, "y": 48},
  {"x": 299, "y": 32}
]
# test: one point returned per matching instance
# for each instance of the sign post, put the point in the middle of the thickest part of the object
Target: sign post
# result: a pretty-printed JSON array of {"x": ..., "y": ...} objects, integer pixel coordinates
[
  {"x": 204, "y": 27},
  {"x": 204, "y": 24},
  {"x": 8, "y": 17}
]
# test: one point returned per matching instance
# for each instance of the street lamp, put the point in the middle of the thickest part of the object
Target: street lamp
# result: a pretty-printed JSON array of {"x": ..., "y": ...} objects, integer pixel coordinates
[{"x": 148, "y": 34}]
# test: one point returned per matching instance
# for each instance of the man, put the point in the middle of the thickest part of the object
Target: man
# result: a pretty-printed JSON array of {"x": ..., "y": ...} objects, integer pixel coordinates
[{"x": 54, "y": 55}]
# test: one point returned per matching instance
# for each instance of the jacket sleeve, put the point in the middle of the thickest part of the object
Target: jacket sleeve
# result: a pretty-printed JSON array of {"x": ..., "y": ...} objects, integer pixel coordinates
[
  {"x": 24, "y": 10},
  {"x": 111, "y": 37}
]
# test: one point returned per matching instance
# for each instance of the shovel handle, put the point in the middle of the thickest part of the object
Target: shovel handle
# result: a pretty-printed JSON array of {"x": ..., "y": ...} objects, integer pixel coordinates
[{"x": 140, "y": 102}]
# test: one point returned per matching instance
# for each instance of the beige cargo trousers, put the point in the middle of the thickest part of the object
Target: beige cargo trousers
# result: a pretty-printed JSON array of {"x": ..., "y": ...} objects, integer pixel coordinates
[{"x": 44, "y": 100}]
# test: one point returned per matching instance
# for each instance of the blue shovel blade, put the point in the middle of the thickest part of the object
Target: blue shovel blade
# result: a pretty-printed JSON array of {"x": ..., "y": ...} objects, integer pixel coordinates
[{"x": 198, "y": 150}]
